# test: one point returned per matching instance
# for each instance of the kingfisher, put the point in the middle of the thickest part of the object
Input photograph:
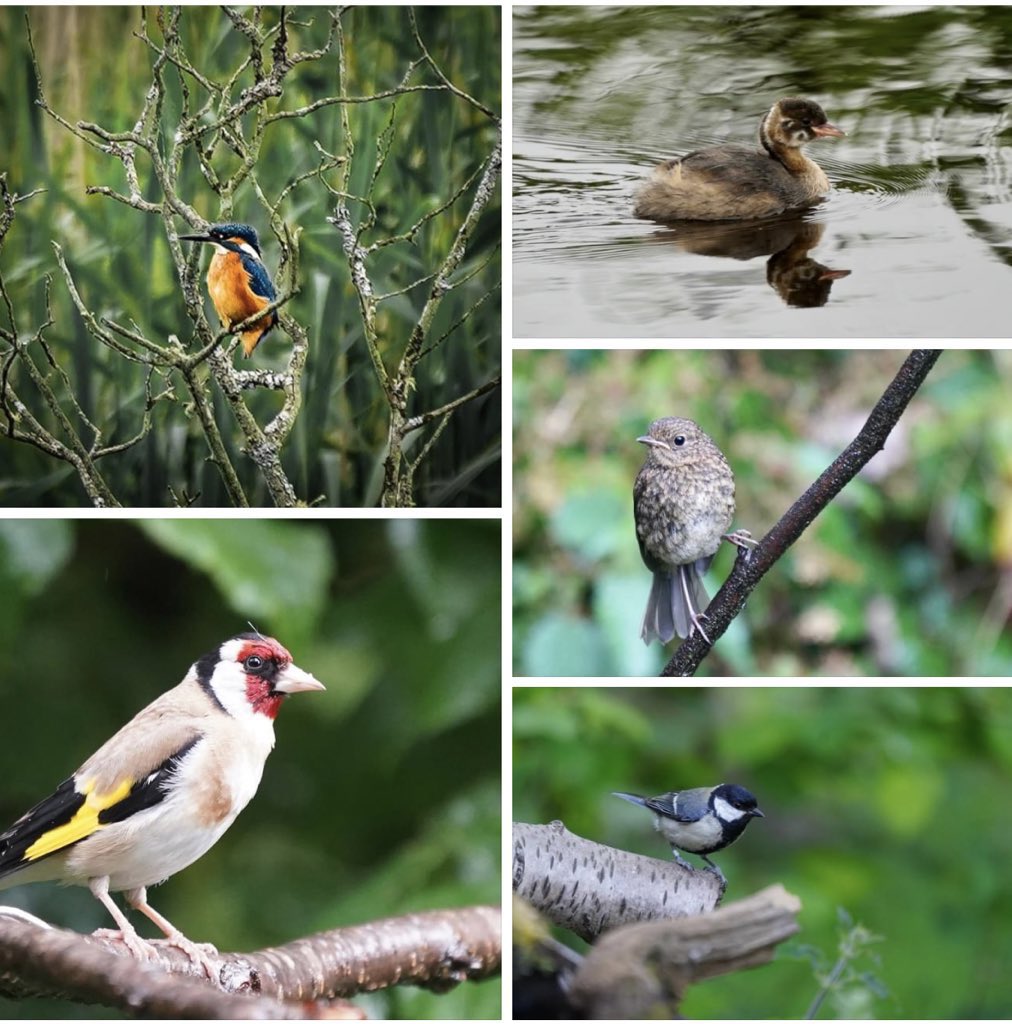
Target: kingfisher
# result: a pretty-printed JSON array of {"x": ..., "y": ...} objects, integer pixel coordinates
[{"x": 237, "y": 280}]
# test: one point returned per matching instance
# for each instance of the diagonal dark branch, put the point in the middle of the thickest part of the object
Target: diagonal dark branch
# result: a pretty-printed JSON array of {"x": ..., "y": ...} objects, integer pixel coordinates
[{"x": 749, "y": 569}]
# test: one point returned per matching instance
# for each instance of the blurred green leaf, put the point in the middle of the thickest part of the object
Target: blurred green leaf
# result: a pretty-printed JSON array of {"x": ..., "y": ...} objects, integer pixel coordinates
[
  {"x": 269, "y": 570},
  {"x": 588, "y": 523},
  {"x": 560, "y": 645},
  {"x": 32, "y": 551}
]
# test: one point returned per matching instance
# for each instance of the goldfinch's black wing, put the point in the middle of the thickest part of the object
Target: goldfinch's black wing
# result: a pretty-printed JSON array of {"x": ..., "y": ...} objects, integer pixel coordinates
[
  {"x": 51, "y": 813},
  {"x": 80, "y": 807}
]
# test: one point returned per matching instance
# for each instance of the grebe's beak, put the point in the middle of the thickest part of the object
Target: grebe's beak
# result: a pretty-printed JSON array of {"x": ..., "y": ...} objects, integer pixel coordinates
[{"x": 828, "y": 131}]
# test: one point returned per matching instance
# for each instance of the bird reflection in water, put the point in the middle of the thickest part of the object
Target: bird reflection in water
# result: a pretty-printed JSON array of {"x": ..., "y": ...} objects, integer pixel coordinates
[{"x": 798, "y": 278}]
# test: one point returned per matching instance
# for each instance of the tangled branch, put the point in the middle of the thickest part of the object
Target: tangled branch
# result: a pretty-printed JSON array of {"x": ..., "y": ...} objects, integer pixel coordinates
[{"x": 208, "y": 121}]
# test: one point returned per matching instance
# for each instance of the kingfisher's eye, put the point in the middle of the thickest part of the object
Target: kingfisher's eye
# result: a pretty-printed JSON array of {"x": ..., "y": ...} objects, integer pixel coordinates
[
  {"x": 680, "y": 440},
  {"x": 254, "y": 662}
]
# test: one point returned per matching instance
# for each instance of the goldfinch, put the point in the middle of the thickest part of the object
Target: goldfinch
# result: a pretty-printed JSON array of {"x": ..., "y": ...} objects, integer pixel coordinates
[{"x": 163, "y": 790}]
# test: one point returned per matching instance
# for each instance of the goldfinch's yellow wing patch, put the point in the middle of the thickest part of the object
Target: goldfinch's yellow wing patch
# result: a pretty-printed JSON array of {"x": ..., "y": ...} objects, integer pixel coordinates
[
  {"x": 83, "y": 823},
  {"x": 78, "y": 809}
]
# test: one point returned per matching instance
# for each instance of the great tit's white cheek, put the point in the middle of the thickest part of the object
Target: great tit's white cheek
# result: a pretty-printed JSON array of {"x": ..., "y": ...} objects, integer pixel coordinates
[{"x": 726, "y": 812}]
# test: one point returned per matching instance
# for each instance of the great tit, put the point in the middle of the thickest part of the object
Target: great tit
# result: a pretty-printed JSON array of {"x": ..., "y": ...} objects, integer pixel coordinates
[{"x": 700, "y": 821}]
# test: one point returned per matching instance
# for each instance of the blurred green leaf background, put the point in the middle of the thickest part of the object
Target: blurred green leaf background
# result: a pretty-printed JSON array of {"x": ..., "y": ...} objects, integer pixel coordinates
[
  {"x": 907, "y": 572},
  {"x": 888, "y": 803},
  {"x": 382, "y": 795},
  {"x": 120, "y": 258}
]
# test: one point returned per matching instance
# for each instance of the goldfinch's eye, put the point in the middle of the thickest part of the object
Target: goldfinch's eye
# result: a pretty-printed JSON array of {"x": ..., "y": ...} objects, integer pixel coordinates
[{"x": 253, "y": 663}]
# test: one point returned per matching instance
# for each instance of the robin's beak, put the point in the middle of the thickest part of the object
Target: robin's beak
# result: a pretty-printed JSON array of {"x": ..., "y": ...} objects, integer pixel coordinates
[{"x": 647, "y": 439}]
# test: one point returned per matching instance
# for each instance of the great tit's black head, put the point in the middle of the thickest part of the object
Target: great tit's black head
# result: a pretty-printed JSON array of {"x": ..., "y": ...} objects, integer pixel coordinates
[{"x": 734, "y": 803}]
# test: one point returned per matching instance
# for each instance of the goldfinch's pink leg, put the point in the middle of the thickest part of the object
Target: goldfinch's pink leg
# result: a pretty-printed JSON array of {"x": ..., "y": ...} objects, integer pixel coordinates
[
  {"x": 200, "y": 953},
  {"x": 140, "y": 949}
]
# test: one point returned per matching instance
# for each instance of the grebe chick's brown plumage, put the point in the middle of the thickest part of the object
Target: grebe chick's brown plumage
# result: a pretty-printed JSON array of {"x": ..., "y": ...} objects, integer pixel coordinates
[{"x": 732, "y": 182}]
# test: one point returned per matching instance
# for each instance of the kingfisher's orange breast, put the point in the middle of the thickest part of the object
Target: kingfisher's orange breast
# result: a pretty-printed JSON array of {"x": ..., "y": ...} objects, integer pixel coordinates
[{"x": 228, "y": 286}]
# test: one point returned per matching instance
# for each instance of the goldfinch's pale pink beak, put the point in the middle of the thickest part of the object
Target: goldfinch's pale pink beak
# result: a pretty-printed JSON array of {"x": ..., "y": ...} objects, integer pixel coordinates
[{"x": 294, "y": 680}]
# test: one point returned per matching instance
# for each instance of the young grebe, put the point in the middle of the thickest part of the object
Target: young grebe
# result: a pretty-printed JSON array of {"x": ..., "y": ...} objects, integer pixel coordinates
[{"x": 732, "y": 182}]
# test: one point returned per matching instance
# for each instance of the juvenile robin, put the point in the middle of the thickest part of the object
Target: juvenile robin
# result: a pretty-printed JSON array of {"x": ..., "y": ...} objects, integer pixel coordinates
[{"x": 683, "y": 504}]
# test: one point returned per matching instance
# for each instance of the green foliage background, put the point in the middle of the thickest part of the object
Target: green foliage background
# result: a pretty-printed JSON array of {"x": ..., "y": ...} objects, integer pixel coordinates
[
  {"x": 906, "y": 572},
  {"x": 120, "y": 258},
  {"x": 890, "y": 803},
  {"x": 382, "y": 795}
]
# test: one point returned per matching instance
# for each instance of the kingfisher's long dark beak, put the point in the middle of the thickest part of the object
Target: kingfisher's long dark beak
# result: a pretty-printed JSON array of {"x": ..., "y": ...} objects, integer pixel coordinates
[{"x": 196, "y": 238}]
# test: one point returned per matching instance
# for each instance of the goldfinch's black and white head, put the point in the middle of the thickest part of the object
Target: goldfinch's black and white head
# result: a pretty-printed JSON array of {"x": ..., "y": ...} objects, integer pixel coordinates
[
  {"x": 700, "y": 821},
  {"x": 163, "y": 789}
]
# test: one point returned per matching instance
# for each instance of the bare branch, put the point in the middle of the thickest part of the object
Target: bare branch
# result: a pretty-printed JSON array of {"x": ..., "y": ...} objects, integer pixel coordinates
[
  {"x": 234, "y": 114},
  {"x": 439, "y": 73},
  {"x": 36, "y": 961},
  {"x": 642, "y": 970},
  {"x": 426, "y": 417},
  {"x": 437, "y": 949},
  {"x": 590, "y": 888}
]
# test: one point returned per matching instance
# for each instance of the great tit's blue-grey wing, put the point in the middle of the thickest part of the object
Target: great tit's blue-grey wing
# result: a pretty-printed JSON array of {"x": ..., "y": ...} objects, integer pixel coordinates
[
  {"x": 668, "y": 805},
  {"x": 690, "y": 804}
]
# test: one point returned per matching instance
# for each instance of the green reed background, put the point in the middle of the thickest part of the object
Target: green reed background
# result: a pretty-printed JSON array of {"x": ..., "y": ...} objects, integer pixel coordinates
[{"x": 95, "y": 69}]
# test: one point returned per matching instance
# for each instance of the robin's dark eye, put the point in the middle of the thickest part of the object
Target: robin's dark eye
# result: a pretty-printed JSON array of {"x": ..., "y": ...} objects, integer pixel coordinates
[
  {"x": 680, "y": 440},
  {"x": 254, "y": 662}
]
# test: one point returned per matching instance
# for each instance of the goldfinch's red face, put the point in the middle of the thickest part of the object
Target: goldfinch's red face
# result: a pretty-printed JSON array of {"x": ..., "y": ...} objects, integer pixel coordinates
[{"x": 253, "y": 673}]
